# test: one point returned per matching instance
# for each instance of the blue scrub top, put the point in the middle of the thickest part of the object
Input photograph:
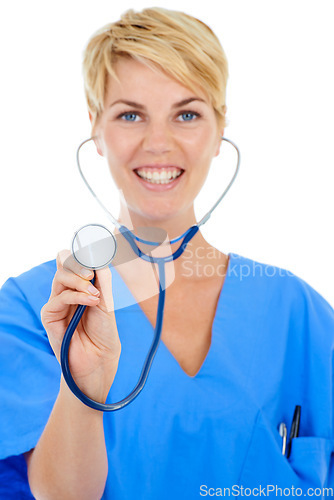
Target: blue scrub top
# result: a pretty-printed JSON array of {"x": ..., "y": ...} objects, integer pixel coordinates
[{"x": 188, "y": 437}]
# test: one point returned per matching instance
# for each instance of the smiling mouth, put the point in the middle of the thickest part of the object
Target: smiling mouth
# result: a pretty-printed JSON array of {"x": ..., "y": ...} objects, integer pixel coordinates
[{"x": 159, "y": 176}]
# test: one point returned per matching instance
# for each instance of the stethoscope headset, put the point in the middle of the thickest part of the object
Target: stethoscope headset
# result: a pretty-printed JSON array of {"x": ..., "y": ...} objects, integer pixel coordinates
[{"x": 98, "y": 255}]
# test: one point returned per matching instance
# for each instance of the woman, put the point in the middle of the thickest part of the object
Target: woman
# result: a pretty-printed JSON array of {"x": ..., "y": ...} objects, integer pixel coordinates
[{"x": 240, "y": 349}]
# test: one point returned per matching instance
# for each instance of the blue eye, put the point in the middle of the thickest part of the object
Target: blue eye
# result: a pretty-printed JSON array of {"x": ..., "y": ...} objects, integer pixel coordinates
[
  {"x": 188, "y": 116},
  {"x": 129, "y": 117}
]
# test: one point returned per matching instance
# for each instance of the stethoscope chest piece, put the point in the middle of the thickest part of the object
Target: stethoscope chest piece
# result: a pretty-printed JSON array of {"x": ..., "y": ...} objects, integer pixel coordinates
[{"x": 94, "y": 246}]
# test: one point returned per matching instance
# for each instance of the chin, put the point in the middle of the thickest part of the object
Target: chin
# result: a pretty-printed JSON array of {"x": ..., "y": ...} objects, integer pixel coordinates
[{"x": 158, "y": 211}]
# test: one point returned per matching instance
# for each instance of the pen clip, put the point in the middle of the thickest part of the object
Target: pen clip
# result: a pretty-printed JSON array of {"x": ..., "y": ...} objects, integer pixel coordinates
[{"x": 283, "y": 433}]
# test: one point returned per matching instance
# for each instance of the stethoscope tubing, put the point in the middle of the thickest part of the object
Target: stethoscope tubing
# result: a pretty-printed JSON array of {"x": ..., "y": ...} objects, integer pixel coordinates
[
  {"x": 161, "y": 261},
  {"x": 96, "y": 405}
]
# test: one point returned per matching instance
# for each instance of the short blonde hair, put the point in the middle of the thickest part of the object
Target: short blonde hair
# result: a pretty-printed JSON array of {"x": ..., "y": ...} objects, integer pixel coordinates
[{"x": 178, "y": 44}]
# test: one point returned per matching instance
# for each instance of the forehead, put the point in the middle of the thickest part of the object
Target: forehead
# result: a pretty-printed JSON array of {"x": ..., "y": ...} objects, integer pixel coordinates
[{"x": 140, "y": 80}]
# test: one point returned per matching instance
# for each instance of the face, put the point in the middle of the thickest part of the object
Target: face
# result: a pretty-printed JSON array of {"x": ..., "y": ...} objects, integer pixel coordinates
[{"x": 159, "y": 138}]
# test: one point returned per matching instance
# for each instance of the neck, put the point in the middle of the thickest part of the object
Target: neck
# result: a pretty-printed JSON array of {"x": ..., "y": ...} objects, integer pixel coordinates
[
  {"x": 164, "y": 229},
  {"x": 197, "y": 256}
]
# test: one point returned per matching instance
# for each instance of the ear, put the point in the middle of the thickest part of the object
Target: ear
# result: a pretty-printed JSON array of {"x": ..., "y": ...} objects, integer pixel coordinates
[
  {"x": 98, "y": 145},
  {"x": 96, "y": 138},
  {"x": 221, "y": 124},
  {"x": 219, "y": 142}
]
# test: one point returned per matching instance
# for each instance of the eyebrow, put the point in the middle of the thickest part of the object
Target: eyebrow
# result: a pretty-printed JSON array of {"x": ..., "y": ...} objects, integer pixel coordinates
[{"x": 134, "y": 104}]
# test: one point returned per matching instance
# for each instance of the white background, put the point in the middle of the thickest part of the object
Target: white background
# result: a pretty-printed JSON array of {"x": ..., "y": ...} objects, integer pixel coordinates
[{"x": 280, "y": 111}]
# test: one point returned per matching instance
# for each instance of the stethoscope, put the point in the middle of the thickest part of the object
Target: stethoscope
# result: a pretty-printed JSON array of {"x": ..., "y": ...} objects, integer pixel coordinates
[{"x": 100, "y": 254}]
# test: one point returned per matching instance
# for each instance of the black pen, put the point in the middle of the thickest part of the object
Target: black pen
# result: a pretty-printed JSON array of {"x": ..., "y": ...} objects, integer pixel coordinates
[{"x": 294, "y": 432}]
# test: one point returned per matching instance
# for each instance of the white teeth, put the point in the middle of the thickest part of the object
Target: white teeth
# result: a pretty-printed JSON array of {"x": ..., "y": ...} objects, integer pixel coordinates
[{"x": 162, "y": 177}]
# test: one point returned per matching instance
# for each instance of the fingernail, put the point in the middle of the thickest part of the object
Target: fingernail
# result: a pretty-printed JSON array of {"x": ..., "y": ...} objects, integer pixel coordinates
[
  {"x": 93, "y": 290},
  {"x": 93, "y": 298},
  {"x": 85, "y": 273}
]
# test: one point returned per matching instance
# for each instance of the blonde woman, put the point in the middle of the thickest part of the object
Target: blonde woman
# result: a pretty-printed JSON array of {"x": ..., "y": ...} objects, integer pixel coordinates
[{"x": 241, "y": 349}]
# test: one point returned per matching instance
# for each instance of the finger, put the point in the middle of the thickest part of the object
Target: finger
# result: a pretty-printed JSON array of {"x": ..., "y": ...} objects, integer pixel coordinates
[
  {"x": 64, "y": 280},
  {"x": 66, "y": 260},
  {"x": 61, "y": 257},
  {"x": 68, "y": 297},
  {"x": 103, "y": 282}
]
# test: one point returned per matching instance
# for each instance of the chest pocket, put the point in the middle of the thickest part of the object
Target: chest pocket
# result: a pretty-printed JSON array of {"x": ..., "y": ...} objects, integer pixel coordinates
[{"x": 307, "y": 467}]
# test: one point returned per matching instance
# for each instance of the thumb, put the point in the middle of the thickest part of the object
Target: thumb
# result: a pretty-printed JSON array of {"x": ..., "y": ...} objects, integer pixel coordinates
[{"x": 103, "y": 282}]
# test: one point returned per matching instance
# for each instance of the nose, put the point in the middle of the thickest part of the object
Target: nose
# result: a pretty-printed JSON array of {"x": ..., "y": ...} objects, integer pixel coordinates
[{"x": 158, "y": 138}]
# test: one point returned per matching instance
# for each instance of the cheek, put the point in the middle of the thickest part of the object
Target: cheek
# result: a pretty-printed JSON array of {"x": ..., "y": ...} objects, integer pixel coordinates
[
  {"x": 119, "y": 154},
  {"x": 119, "y": 146},
  {"x": 206, "y": 141},
  {"x": 203, "y": 153}
]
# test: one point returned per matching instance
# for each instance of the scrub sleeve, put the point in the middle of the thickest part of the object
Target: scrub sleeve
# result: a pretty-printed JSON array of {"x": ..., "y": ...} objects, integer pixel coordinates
[
  {"x": 188, "y": 437},
  {"x": 29, "y": 374}
]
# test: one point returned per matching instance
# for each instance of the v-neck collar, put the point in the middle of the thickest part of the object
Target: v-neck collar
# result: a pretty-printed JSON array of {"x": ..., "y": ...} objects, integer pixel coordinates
[{"x": 219, "y": 307}]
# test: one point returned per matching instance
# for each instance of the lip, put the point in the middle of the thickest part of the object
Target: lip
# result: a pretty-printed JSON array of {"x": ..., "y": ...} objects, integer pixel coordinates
[{"x": 158, "y": 187}]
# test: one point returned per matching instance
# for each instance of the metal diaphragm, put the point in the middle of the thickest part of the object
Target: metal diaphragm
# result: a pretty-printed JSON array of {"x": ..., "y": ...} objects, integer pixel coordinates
[{"x": 94, "y": 246}]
